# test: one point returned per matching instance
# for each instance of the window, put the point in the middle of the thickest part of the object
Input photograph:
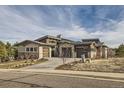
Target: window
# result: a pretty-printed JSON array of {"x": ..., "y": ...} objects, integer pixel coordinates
[
  {"x": 27, "y": 49},
  {"x": 31, "y": 49},
  {"x": 35, "y": 49}
]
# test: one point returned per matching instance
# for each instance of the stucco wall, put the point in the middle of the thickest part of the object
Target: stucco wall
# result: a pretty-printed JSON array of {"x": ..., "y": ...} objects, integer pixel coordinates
[
  {"x": 93, "y": 54},
  {"x": 104, "y": 52},
  {"x": 93, "y": 51},
  {"x": 50, "y": 51},
  {"x": 40, "y": 52}
]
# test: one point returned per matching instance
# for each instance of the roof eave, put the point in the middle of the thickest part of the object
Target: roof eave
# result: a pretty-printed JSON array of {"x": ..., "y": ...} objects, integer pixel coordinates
[{"x": 39, "y": 43}]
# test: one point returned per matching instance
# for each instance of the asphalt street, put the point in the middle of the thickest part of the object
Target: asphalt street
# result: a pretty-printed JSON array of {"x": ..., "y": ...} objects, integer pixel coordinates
[{"x": 17, "y": 79}]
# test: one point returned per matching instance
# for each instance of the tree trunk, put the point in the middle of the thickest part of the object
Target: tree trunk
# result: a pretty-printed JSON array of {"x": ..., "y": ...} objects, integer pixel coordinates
[{"x": 0, "y": 60}]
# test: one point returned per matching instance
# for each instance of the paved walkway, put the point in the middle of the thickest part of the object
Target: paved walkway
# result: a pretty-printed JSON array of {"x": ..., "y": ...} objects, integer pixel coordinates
[{"x": 52, "y": 63}]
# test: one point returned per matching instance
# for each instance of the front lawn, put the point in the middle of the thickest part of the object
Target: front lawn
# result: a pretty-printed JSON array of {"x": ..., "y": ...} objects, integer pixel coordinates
[
  {"x": 111, "y": 65},
  {"x": 20, "y": 64}
]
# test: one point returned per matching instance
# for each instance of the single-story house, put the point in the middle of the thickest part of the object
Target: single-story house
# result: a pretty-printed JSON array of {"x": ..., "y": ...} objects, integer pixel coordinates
[{"x": 56, "y": 46}]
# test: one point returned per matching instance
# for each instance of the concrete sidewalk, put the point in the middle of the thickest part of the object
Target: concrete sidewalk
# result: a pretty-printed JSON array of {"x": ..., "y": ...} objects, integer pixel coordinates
[{"x": 119, "y": 76}]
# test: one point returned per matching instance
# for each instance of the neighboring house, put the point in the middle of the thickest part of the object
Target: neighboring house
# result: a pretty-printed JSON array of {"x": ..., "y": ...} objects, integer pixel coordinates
[{"x": 50, "y": 46}]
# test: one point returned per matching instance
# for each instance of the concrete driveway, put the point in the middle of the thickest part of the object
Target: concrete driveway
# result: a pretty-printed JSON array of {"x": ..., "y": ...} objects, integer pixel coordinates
[{"x": 52, "y": 63}]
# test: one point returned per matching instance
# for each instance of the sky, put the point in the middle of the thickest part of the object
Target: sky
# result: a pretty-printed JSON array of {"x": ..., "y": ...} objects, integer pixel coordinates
[{"x": 18, "y": 23}]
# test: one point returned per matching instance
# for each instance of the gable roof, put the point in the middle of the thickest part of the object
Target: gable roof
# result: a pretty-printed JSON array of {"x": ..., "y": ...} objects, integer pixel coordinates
[{"x": 25, "y": 42}]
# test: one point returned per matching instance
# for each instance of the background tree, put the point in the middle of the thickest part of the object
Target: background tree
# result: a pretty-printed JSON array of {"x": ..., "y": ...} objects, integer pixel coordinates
[
  {"x": 9, "y": 49},
  {"x": 3, "y": 51},
  {"x": 120, "y": 51}
]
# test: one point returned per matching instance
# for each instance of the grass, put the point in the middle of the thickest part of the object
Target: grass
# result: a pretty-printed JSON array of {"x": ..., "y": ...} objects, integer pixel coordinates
[
  {"x": 110, "y": 65},
  {"x": 20, "y": 64}
]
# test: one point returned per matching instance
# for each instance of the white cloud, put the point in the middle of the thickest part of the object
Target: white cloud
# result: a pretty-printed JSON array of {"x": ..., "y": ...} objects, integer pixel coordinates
[
  {"x": 112, "y": 38},
  {"x": 16, "y": 25}
]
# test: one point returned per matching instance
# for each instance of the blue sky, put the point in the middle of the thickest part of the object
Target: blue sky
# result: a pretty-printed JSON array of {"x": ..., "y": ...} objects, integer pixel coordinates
[{"x": 18, "y": 23}]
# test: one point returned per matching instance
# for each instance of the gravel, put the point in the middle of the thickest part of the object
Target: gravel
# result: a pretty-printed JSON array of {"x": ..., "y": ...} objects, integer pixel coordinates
[{"x": 112, "y": 65}]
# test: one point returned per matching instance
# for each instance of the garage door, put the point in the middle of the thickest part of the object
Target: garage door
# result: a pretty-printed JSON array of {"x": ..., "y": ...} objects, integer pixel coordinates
[{"x": 45, "y": 52}]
